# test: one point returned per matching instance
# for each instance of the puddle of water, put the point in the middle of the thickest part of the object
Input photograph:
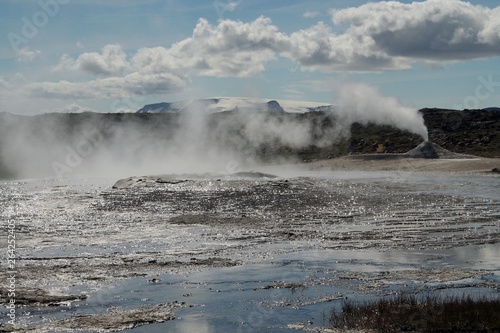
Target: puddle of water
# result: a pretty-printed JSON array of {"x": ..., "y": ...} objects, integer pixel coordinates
[
  {"x": 221, "y": 300},
  {"x": 255, "y": 297}
]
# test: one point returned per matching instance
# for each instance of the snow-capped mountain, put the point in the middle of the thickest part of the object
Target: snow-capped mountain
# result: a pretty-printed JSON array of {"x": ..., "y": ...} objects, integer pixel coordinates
[{"x": 222, "y": 104}]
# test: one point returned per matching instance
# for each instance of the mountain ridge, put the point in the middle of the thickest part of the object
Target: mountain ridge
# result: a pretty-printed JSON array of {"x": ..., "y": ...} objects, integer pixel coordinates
[{"x": 241, "y": 104}]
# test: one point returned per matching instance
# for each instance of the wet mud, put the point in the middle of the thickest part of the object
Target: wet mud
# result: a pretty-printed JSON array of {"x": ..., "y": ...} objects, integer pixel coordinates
[
  {"x": 111, "y": 321},
  {"x": 75, "y": 238},
  {"x": 38, "y": 297}
]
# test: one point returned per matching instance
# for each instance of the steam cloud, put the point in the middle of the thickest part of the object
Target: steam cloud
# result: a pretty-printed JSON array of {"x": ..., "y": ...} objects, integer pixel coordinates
[
  {"x": 107, "y": 145},
  {"x": 359, "y": 102},
  {"x": 119, "y": 145}
]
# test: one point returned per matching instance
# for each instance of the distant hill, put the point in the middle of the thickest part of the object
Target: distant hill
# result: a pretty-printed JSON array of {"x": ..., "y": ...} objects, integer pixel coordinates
[
  {"x": 473, "y": 132},
  {"x": 241, "y": 104},
  {"x": 30, "y": 145},
  {"x": 492, "y": 109}
]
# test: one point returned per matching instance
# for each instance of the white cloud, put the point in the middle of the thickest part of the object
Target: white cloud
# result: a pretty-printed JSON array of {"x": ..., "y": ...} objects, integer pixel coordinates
[
  {"x": 4, "y": 85},
  {"x": 73, "y": 108},
  {"x": 318, "y": 48},
  {"x": 491, "y": 30},
  {"x": 112, "y": 61},
  {"x": 227, "y": 6},
  {"x": 111, "y": 88},
  {"x": 311, "y": 14},
  {"x": 124, "y": 79},
  {"x": 231, "y": 6},
  {"x": 379, "y": 36},
  {"x": 26, "y": 54},
  {"x": 232, "y": 48},
  {"x": 440, "y": 30},
  {"x": 13, "y": 97}
]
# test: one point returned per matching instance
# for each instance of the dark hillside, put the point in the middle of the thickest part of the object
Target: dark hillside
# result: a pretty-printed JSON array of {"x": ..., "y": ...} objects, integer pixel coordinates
[
  {"x": 474, "y": 132},
  {"x": 38, "y": 141}
]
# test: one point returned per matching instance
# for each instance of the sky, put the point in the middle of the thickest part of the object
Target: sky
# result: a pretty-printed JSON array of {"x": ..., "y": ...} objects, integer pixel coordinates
[{"x": 118, "y": 55}]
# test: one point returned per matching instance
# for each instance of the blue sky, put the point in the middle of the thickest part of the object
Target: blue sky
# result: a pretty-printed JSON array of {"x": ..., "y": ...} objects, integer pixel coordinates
[{"x": 117, "y": 55}]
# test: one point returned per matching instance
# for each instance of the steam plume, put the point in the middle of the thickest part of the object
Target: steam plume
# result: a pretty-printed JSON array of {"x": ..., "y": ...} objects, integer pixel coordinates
[
  {"x": 194, "y": 141},
  {"x": 359, "y": 102}
]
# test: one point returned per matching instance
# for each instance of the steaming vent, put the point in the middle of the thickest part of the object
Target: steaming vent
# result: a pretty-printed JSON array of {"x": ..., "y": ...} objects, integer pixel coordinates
[
  {"x": 429, "y": 149},
  {"x": 426, "y": 149}
]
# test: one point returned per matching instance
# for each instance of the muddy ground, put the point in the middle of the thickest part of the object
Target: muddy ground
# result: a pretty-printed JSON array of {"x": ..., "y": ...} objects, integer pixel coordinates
[{"x": 74, "y": 237}]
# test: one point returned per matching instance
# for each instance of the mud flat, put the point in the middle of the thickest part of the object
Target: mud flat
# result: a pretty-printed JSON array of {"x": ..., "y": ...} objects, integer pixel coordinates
[
  {"x": 254, "y": 251},
  {"x": 381, "y": 163},
  {"x": 427, "y": 156}
]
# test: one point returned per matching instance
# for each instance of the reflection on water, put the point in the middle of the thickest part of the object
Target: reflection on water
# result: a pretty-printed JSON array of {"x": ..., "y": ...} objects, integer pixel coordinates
[
  {"x": 301, "y": 243},
  {"x": 249, "y": 298}
]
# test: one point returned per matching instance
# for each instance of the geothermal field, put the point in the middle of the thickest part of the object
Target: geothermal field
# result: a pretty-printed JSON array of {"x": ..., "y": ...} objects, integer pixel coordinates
[
  {"x": 215, "y": 223},
  {"x": 239, "y": 166}
]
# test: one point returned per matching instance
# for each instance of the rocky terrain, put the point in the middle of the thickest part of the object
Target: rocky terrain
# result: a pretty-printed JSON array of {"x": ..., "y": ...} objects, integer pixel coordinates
[
  {"x": 126, "y": 138},
  {"x": 102, "y": 254},
  {"x": 474, "y": 132}
]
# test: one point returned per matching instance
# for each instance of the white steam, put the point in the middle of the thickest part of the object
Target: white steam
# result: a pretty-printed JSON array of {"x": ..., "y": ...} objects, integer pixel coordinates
[
  {"x": 194, "y": 141},
  {"x": 64, "y": 145},
  {"x": 362, "y": 103}
]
